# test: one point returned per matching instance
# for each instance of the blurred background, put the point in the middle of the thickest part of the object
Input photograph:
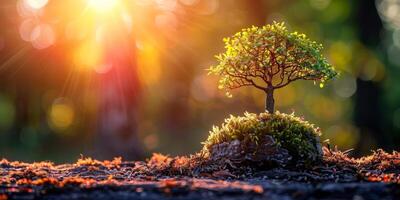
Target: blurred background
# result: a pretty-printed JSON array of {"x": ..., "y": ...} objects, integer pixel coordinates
[{"x": 107, "y": 78}]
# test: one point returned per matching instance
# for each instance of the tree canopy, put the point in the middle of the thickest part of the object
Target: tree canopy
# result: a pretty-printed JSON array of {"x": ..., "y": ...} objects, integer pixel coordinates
[{"x": 269, "y": 58}]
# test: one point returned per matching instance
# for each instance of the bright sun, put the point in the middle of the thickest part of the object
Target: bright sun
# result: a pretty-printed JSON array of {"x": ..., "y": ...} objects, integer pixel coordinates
[{"x": 102, "y": 5}]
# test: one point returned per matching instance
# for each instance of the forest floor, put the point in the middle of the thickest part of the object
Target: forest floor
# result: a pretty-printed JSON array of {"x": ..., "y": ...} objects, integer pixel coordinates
[{"x": 338, "y": 176}]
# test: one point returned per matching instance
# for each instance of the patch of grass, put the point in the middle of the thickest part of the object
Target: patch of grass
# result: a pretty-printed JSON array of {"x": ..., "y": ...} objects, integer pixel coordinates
[{"x": 292, "y": 133}]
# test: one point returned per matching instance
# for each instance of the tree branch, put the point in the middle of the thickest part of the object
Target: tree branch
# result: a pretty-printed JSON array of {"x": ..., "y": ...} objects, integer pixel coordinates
[{"x": 249, "y": 80}]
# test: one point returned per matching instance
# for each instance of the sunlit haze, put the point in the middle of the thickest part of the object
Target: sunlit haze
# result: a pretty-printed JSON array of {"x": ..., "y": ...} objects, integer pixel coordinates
[
  {"x": 102, "y": 5},
  {"x": 126, "y": 74}
]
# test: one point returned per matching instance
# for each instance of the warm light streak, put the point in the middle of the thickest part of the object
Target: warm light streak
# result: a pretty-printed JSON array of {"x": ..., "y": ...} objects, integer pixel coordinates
[
  {"x": 149, "y": 67},
  {"x": 103, "y": 26}
]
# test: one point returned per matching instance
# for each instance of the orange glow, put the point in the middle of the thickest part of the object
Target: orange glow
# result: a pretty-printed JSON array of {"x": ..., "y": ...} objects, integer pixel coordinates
[
  {"x": 149, "y": 67},
  {"x": 87, "y": 56},
  {"x": 93, "y": 33}
]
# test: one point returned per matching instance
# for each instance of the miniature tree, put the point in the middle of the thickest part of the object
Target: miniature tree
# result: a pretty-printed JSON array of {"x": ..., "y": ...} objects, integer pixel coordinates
[{"x": 269, "y": 58}]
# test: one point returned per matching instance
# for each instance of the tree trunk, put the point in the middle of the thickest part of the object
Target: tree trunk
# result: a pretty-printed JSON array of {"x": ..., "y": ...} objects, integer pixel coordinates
[{"x": 269, "y": 100}]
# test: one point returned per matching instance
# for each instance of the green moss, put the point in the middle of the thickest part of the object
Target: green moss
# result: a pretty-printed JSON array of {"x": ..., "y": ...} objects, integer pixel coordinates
[{"x": 292, "y": 133}]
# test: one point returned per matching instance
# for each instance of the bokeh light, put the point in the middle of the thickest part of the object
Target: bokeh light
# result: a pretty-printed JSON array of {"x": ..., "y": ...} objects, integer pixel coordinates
[
  {"x": 30, "y": 8},
  {"x": 43, "y": 36},
  {"x": 389, "y": 11},
  {"x": 36, "y": 4},
  {"x": 151, "y": 141},
  {"x": 61, "y": 114},
  {"x": 346, "y": 86},
  {"x": 102, "y": 5},
  {"x": 26, "y": 30}
]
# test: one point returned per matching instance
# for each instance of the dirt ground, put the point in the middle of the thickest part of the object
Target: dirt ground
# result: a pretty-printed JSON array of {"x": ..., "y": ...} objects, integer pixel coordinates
[{"x": 161, "y": 177}]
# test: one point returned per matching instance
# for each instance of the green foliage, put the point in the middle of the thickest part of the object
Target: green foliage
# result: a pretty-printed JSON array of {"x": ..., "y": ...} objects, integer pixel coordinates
[
  {"x": 270, "y": 56},
  {"x": 290, "y": 132}
]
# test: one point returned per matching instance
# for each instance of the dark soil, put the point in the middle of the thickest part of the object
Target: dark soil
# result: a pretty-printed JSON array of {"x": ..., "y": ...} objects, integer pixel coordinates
[{"x": 336, "y": 177}]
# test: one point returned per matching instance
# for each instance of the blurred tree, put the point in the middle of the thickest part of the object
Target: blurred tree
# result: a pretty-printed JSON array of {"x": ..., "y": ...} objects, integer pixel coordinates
[
  {"x": 367, "y": 115},
  {"x": 270, "y": 58},
  {"x": 119, "y": 94}
]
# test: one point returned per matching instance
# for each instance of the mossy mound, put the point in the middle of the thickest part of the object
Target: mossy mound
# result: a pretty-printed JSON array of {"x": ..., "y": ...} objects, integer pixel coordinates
[{"x": 280, "y": 138}]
